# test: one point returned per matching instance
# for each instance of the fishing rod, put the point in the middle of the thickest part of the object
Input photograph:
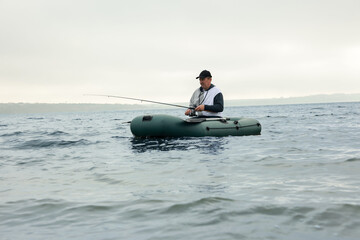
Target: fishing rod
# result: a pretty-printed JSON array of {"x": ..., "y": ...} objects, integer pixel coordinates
[{"x": 142, "y": 100}]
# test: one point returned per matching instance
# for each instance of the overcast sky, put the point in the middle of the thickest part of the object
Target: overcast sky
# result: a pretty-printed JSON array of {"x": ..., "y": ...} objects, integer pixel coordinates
[{"x": 57, "y": 51}]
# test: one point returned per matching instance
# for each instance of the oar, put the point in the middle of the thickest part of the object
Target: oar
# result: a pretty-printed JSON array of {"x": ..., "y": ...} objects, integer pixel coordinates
[{"x": 199, "y": 120}]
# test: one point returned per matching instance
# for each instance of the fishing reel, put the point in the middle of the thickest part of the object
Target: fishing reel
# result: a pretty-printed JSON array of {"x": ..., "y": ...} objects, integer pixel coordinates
[{"x": 192, "y": 113}]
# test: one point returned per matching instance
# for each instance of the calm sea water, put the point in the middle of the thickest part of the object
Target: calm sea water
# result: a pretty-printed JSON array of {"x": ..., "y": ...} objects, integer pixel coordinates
[{"x": 83, "y": 176}]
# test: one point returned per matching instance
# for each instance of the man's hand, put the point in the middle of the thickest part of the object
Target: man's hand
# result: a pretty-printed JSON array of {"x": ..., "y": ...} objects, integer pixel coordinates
[
  {"x": 187, "y": 112},
  {"x": 200, "y": 108}
]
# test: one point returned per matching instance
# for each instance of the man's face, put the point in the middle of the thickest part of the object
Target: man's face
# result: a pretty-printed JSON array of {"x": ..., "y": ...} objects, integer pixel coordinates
[{"x": 205, "y": 83}]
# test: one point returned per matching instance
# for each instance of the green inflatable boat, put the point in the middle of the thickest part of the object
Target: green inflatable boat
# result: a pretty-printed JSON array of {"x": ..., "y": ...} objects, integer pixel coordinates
[{"x": 161, "y": 125}]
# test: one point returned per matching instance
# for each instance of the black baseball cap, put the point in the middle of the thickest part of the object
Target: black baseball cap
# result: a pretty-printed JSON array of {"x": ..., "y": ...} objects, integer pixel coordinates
[{"x": 204, "y": 74}]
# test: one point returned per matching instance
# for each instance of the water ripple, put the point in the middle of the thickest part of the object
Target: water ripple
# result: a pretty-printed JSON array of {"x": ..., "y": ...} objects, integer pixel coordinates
[
  {"x": 56, "y": 133},
  {"x": 181, "y": 208},
  {"x": 37, "y": 143},
  {"x": 353, "y": 159},
  {"x": 17, "y": 133},
  {"x": 35, "y": 118}
]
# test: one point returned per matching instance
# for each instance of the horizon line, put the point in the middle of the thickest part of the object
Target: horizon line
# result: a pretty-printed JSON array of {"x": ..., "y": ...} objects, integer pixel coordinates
[{"x": 238, "y": 99}]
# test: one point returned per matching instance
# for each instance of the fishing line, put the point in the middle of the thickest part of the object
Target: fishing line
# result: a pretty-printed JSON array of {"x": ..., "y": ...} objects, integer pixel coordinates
[{"x": 142, "y": 100}]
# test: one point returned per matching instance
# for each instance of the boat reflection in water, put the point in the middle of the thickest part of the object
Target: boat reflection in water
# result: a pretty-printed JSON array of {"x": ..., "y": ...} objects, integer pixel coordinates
[{"x": 213, "y": 145}]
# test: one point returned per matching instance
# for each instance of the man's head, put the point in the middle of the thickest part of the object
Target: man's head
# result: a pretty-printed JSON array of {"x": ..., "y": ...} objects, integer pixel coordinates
[{"x": 205, "y": 79}]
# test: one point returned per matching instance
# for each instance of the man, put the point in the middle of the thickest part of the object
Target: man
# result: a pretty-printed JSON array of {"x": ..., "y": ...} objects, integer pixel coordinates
[{"x": 207, "y": 100}]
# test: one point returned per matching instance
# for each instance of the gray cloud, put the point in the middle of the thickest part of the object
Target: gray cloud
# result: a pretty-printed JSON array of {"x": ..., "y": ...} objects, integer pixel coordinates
[{"x": 55, "y": 51}]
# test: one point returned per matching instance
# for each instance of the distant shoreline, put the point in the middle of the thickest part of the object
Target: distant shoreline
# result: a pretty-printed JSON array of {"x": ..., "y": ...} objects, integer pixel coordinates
[{"x": 17, "y": 108}]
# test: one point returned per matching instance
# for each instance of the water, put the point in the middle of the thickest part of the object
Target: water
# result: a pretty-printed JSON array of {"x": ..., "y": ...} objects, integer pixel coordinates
[{"x": 83, "y": 176}]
